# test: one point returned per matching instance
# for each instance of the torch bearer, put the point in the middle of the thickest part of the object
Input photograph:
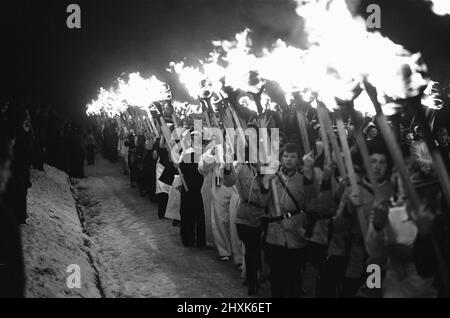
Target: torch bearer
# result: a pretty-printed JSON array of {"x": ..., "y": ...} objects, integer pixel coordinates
[
  {"x": 397, "y": 157},
  {"x": 166, "y": 135},
  {"x": 439, "y": 165},
  {"x": 394, "y": 149}
]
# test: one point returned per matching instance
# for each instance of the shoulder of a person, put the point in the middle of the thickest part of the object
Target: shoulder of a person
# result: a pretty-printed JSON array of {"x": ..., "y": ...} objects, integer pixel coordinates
[{"x": 298, "y": 177}]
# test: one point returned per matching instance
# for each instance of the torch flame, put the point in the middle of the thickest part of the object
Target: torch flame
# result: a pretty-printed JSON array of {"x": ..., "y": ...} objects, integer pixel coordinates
[
  {"x": 135, "y": 91},
  {"x": 341, "y": 49},
  {"x": 441, "y": 7}
]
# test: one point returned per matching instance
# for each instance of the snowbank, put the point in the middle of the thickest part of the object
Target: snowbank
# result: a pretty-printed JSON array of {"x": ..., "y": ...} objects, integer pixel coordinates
[{"x": 53, "y": 239}]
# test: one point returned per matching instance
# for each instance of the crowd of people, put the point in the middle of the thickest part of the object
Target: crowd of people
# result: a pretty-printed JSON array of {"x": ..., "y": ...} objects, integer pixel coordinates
[
  {"x": 303, "y": 214},
  {"x": 30, "y": 137},
  {"x": 311, "y": 218}
]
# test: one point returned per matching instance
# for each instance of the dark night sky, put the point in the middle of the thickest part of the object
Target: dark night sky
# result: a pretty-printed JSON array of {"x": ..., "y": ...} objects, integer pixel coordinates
[{"x": 49, "y": 64}]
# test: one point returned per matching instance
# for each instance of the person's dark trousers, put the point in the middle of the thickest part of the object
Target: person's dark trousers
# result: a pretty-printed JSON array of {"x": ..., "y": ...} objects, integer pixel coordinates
[
  {"x": 151, "y": 184},
  {"x": 317, "y": 255},
  {"x": 133, "y": 171},
  {"x": 192, "y": 223},
  {"x": 162, "y": 204},
  {"x": 105, "y": 148},
  {"x": 90, "y": 154},
  {"x": 251, "y": 237},
  {"x": 332, "y": 276},
  {"x": 142, "y": 180},
  {"x": 187, "y": 227},
  {"x": 286, "y": 264},
  {"x": 200, "y": 226}
]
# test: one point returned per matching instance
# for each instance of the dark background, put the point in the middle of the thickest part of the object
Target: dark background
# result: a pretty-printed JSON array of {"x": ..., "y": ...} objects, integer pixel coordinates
[{"x": 43, "y": 62}]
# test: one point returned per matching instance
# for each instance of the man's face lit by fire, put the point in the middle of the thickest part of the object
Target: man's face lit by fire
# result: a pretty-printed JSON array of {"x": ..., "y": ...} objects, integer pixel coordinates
[{"x": 379, "y": 166}]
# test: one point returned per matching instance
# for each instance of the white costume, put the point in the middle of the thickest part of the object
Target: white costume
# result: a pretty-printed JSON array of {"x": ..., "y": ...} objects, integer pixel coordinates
[
  {"x": 224, "y": 203},
  {"x": 161, "y": 187},
  {"x": 174, "y": 201}
]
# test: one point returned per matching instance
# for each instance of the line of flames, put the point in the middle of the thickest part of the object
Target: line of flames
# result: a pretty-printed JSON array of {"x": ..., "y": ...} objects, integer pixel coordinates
[{"x": 341, "y": 52}]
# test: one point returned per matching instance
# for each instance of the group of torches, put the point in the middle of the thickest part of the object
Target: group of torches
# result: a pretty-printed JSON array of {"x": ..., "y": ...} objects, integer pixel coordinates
[{"x": 345, "y": 69}]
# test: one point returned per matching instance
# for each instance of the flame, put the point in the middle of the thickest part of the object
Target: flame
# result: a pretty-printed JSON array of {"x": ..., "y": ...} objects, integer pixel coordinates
[
  {"x": 109, "y": 102},
  {"x": 192, "y": 77},
  {"x": 431, "y": 96},
  {"x": 135, "y": 91},
  {"x": 242, "y": 68},
  {"x": 285, "y": 65},
  {"x": 94, "y": 107},
  {"x": 363, "y": 104},
  {"x": 440, "y": 7},
  {"x": 267, "y": 103},
  {"x": 141, "y": 92},
  {"x": 342, "y": 50},
  {"x": 246, "y": 101}
]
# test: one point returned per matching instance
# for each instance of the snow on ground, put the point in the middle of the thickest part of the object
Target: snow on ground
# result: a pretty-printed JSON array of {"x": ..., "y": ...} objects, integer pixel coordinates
[
  {"x": 143, "y": 253},
  {"x": 121, "y": 246},
  {"x": 53, "y": 238}
]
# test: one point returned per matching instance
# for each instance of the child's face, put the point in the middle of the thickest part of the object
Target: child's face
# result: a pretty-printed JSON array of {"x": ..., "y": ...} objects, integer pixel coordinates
[
  {"x": 289, "y": 160},
  {"x": 379, "y": 166},
  {"x": 373, "y": 132}
]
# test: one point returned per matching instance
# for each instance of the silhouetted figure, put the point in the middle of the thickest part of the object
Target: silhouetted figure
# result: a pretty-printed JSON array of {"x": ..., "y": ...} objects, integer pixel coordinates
[
  {"x": 12, "y": 277},
  {"x": 76, "y": 153},
  {"x": 132, "y": 164},
  {"x": 16, "y": 193},
  {"x": 90, "y": 148},
  {"x": 192, "y": 223}
]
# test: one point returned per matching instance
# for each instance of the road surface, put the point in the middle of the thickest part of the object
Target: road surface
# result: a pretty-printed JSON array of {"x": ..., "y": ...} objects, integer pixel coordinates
[{"x": 143, "y": 254}]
